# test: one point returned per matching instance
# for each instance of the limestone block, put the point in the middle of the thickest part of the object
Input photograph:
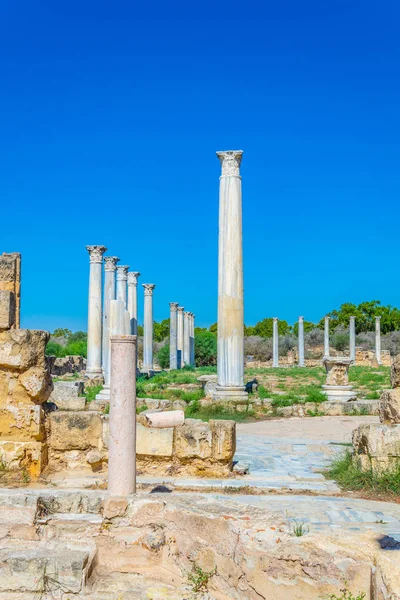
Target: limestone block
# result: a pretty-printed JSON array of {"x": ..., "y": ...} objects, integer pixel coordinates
[
  {"x": 377, "y": 446},
  {"x": 7, "y": 309},
  {"x": 389, "y": 406},
  {"x": 23, "y": 348},
  {"x": 395, "y": 372},
  {"x": 193, "y": 440},
  {"x": 31, "y": 456},
  {"x": 21, "y": 422},
  {"x": 223, "y": 439},
  {"x": 162, "y": 419},
  {"x": 209, "y": 384},
  {"x": 64, "y": 390},
  {"x": 66, "y": 364},
  {"x": 115, "y": 506},
  {"x": 75, "y": 431},
  {"x": 154, "y": 442},
  {"x": 37, "y": 383},
  {"x": 74, "y": 404}
]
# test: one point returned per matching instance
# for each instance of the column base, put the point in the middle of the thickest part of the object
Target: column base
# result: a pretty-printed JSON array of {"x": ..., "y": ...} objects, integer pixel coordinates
[
  {"x": 339, "y": 393},
  {"x": 94, "y": 374},
  {"x": 230, "y": 394},
  {"x": 303, "y": 365}
]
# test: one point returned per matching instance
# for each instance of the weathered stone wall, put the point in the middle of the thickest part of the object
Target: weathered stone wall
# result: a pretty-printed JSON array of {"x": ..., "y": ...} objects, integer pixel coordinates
[
  {"x": 66, "y": 365},
  {"x": 364, "y": 358},
  {"x": 10, "y": 280},
  {"x": 78, "y": 441}
]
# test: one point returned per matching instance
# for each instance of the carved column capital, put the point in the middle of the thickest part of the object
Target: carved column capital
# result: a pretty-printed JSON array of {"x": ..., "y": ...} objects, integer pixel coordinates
[
  {"x": 173, "y": 306},
  {"x": 96, "y": 253},
  {"x": 230, "y": 162},
  {"x": 181, "y": 309},
  {"x": 133, "y": 278},
  {"x": 148, "y": 288},
  {"x": 122, "y": 272},
  {"x": 110, "y": 263}
]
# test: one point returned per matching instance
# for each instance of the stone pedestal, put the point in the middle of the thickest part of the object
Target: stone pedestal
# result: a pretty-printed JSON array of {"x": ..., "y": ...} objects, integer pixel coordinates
[
  {"x": 301, "y": 342},
  {"x": 148, "y": 328},
  {"x": 122, "y": 439},
  {"x": 353, "y": 338},
  {"x": 275, "y": 342},
  {"x": 173, "y": 335},
  {"x": 326, "y": 337},
  {"x": 110, "y": 265},
  {"x": 93, "y": 368},
  {"x": 132, "y": 299},
  {"x": 378, "y": 340},
  {"x": 230, "y": 365},
  {"x": 122, "y": 278},
  {"x": 337, "y": 379},
  {"x": 181, "y": 310}
]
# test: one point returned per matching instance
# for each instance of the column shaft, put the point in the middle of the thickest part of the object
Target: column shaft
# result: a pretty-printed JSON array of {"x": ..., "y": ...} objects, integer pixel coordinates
[
  {"x": 93, "y": 368},
  {"x": 180, "y": 337},
  {"x": 109, "y": 294},
  {"x": 122, "y": 441},
  {"x": 301, "y": 342},
  {"x": 122, "y": 277},
  {"x": 192, "y": 357},
  {"x": 132, "y": 299},
  {"x": 378, "y": 340},
  {"x": 230, "y": 362},
  {"x": 148, "y": 327},
  {"x": 275, "y": 343},
  {"x": 173, "y": 335},
  {"x": 326, "y": 337},
  {"x": 186, "y": 339},
  {"x": 353, "y": 338}
]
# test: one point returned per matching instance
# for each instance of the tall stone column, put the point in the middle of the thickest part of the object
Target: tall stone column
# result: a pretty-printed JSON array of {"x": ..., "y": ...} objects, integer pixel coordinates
[
  {"x": 186, "y": 338},
  {"x": 122, "y": 278},
  {"x": 93, "y": 368},
  {"x": 353, "y": 339},
  {"x": 173, "y": 335},
  {"x": 230, "y": 361},
  {"x": 180, "y": 336},
  {"x": 148, "y": 327},
  {"x": 378, "y": 340},
  {"x": 301, "y": 342},
  {"x": 326, "y": 337},
  {"x": 122, "y": 441},
  {"x": 192, "y": 359},
  {"x": 110, "y": 263},
  {"x": 275, "y": 342},
  {"x": 132, "y": 299}
]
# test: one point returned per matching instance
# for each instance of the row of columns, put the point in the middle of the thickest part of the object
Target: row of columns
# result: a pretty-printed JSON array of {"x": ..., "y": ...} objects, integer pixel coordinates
[{"x": 181, "y": 338}]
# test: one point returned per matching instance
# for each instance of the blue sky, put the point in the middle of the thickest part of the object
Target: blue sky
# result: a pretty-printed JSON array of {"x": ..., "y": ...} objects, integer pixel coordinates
[{"x": 111, "y": 114}]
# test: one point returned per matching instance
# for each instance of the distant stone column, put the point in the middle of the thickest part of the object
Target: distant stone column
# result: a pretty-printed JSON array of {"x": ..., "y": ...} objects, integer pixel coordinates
[
  {"x": 378, "y": 340},
  {"x": 186, "y": 338},
  {"x": 192, "y": 359},
  {"x": 353, "y": 339},
  {"x": 93, "y": 368},
  {"x": 110, "y": 263},
  {"x": 173, "y": 335},
  {"x": 275, "y": 342},
  {"x": 180, "y": 336},
  {"x": 148, "y": 327},
  {"x": 132, "y": 299},
  {"x": 301, "y": 342},
  {"x": 122, "y": 278},
  {"x": 122, "y": 440},
  {"x": 230, "y": 361},
  {"x": 326, "y": 337}
]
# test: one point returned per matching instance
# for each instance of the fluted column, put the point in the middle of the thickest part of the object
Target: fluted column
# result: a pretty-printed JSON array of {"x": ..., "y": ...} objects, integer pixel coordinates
[
  {"x": 148, "y": 327},
  {"x": 326, "y": 337},
  {"x": 186, "y": 338},
  {"x": 353, "y": 338},
  {"x": 173, "y": 335},
  {"x": 110, "y": 263},
  {"x": 378, "y": 340},
  {"x": 93, "y": 368},
  {"x": 122, "y": 278},
  {"x": 275, "y": 343},
  {"x": 122, "y": 439},
  {"x": 132, "y": 299},
  {"x": 301, "y": 342},
  {"x": 180, "y": 336},
  {"x": 230, "y": 361},
  {"x": 192, "y": 359}
]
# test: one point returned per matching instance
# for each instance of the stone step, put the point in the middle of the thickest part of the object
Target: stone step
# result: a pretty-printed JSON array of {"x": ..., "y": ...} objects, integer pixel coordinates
[
  {"x": 71, "y": 526},
  {"x": 40, "y": 567},
  {"x": 129, "y": 586}
]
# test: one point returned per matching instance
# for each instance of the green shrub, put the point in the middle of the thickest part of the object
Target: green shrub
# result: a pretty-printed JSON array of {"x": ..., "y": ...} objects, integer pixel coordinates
[
  {"x": 53, "y": 349},
  {"x": 340, "y": 341},
  {"x": 91, "y": 392},
  {"x": 205, "y": 349},
  {"x": 163, "y": 356},
  {"x": 76, "y": 349}
]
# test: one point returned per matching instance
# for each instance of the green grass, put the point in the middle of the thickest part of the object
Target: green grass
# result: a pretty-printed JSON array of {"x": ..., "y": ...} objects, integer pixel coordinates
[
  {"x": 206, "y": 413},
  {"x": 348, "y": 475},
  {"x": 91, "y": 392}
]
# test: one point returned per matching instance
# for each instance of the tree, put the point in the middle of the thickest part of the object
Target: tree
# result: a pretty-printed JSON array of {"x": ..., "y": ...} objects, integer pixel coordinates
[
  {"x": 205, "y": 349},
  {"x": 365, "y": 314},
  {"x": 308, "y": 326},
  {"x": 161, "y": 330},
  {"x": 264, "y": 328},
  {"x": 65, "y": 333}
]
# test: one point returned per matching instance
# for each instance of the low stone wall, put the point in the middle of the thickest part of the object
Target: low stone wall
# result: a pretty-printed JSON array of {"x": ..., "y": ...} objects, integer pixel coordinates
[
  {"x": 78, "y": 440},
  {"x": 364, "y": 358},
  {"x": 67, "y": 365}
]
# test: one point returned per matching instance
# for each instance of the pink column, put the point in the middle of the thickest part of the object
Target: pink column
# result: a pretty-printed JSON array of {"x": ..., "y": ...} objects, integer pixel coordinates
[{"x": 122, "y": 444}]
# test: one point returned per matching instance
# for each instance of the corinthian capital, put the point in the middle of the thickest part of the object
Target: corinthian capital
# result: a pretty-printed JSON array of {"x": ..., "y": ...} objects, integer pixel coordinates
[
  {"x": 133, "y": 278},
  {"x": 122, "y": 272},
  {"x": 148, "y": 288},
  {"x": 173, "y": 306},
  {"x": 110, "y": 263},
  {"x": 96, "y": 253},
  {"x": 230, "y": 161},
  {"x": 181, "y": 309}
]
